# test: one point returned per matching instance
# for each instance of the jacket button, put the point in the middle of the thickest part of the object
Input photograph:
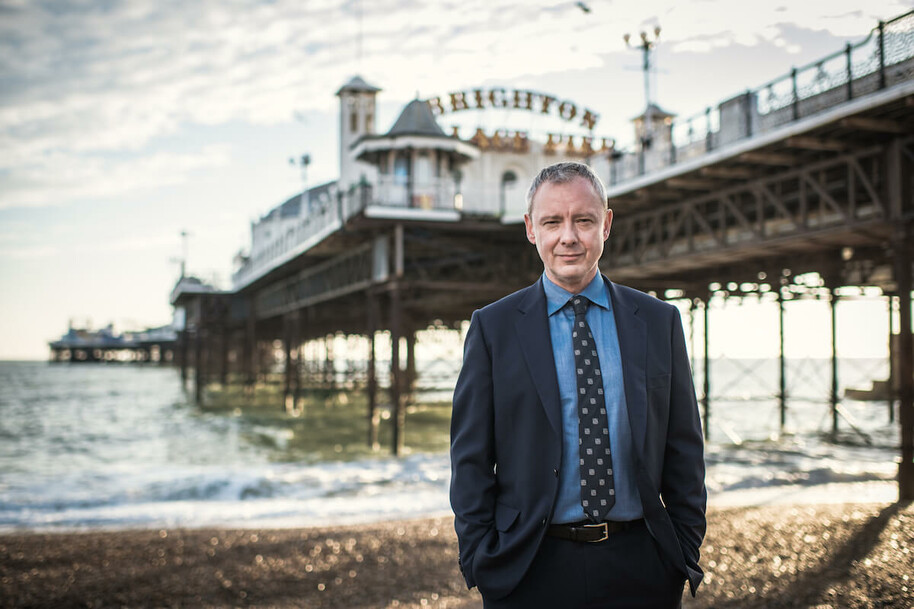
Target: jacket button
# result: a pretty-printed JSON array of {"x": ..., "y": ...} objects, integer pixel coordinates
[
  {"x": 544, "y": 522},
  {"x": 556, "y": 472}
]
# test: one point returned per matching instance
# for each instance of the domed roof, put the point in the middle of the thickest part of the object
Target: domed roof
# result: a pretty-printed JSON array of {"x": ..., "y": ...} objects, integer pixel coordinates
[
  {"x": 358, "y": 85},
  {"x": 416, "y": 119}
]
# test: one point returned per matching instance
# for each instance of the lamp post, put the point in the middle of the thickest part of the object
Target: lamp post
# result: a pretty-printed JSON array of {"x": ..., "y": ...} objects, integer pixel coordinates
[
  {"x": 303, "y": 163},
  {"x": 182, "y": 261},
  {"x": 647, "y": 44}
]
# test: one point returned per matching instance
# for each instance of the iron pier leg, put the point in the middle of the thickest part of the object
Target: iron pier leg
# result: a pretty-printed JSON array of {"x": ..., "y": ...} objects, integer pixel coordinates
[
  {"x": 249, "y": 349},
  {"x": 692, "y": 305},
  {"x": 330, "y": 361},
  {"x": 893, "y": 377},
  {"x": 905, "y": 368},
  {"x": 296, "y": 362},
  {"x": 706, "y": 388},
  {"x": 224, "y": 344},
  {"x": 396, "y": 381},
  {"x": 833, "y": 397},
  {"x": 374, "y": 415},
  {"x": 200, "y": 353},
  {"x": 287, "y": 365},
  {"x": 182, "y": 354},
  {"x": 898, "y": 168},
  {"x": 782, "y": 364},
  {"x": 410, "y": 376}
]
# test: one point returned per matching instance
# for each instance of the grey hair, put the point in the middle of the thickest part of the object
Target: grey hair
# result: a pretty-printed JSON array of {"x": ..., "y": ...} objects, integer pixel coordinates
[{"x": 562, "y": 173}]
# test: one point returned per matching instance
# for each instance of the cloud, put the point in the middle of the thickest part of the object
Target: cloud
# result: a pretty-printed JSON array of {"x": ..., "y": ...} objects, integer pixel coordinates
[
  {"x": 59, "y": 176},
  {"x": 97, "y": 77},
  {"x": 710, "y": 26},
  {"x": 28, "y": 252}
]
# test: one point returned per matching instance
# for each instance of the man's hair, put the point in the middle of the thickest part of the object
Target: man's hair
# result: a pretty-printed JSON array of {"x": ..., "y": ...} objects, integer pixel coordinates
[{"x": 562, "y": 173}]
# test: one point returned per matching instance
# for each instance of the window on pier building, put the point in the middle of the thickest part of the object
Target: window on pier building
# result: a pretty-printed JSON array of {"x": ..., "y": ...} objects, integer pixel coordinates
[
  {"x": 401, "y": 167},
  {"x": 423, "y": 168},
  {"x": 508, "y": 182}
]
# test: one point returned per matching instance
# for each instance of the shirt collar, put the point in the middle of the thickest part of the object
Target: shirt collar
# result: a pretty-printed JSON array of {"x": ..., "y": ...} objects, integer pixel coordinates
[{"x": 557, "y": 297}]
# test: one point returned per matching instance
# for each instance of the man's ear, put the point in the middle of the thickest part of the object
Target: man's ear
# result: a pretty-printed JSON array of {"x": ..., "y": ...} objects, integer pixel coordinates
[
  {"x": 528, "y": 224},
  {"x": 607, "y": 224}
]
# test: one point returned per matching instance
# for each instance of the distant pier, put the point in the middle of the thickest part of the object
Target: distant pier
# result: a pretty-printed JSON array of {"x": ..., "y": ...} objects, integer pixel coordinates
[{"x": 156, "y": 345}]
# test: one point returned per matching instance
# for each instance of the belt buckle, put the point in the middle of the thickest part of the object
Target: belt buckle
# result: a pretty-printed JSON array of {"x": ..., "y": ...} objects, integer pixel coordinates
[{"x": 602, "y": 525}]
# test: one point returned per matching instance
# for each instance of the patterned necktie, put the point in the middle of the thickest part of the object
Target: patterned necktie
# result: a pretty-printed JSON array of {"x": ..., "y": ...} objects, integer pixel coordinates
[{"x": 597, "y": 490}]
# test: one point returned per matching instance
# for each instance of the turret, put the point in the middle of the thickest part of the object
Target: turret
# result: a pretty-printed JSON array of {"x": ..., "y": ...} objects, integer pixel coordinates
[
  {"x": 357, "y": 119},
  {"x": 653, "y": 137},
  {"x": 418, "y": 163}
]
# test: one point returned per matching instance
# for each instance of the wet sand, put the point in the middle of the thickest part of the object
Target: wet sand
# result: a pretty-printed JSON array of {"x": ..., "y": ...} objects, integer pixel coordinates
[{"x": 821, "y": 557}]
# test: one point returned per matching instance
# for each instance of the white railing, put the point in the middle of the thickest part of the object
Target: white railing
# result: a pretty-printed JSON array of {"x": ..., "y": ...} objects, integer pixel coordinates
[
  {"x": 433, "y": 193},
  {"x": 289, "y": 237},
  {"x": 882, "y": 59}
]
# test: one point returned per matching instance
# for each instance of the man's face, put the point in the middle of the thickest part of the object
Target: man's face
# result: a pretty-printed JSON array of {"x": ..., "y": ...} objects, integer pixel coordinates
[{"x": 568, "y": 225}]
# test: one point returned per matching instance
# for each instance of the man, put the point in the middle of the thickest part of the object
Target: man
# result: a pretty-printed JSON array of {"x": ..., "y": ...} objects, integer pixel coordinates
[{"x": 577, "y": 468}]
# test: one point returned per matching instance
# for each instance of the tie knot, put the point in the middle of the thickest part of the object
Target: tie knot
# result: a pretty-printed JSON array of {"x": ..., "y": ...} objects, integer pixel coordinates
[{"x": 580, "y": 304}]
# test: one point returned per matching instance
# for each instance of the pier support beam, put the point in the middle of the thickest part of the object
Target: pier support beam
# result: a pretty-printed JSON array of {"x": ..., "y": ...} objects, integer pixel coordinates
[
  {"x": 905, "y": 367},
  {"x": 398, "y": 413},
  {"x": 692, "y": 306},
  {"x": 225, "y": 345},
  {"x": 706, "y": 381},
  {"x": 297, "y": 399},
  {"x": 200, "y": 352},
  {"x": 833, "y": 394},
  {"x": 292, "y": 348},
  {"x": 374, "y": 415},
  {"x": 183, "y": 339},
  {"x": 249, "y": 349},
  {"x": 893, "y": 375},
  {"x": 409, "y": 388},
  {"x": 287, "y": 364},
  {"x": 782, "y": 364}
]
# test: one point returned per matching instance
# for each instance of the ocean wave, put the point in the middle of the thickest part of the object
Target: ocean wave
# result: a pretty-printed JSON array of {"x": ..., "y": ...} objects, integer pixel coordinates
[{"x": 208, "y": 495}]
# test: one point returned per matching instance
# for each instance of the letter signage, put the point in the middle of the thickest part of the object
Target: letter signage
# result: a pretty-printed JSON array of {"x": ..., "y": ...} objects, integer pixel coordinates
[{"x": 518, "y": 99}]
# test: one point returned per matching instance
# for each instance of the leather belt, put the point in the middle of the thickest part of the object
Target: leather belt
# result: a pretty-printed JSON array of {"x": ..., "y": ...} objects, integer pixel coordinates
[{"x": 591, "y": 532}]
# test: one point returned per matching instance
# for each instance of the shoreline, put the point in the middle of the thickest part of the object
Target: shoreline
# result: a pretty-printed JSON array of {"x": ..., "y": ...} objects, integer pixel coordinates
[
  {"x": 860, "y": 492},
  {"x": 794, "y": 556}
]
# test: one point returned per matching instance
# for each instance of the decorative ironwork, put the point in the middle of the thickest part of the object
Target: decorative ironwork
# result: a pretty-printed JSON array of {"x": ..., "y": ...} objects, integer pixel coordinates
[
  {"x": 342, "y": 275},
  {"x": 835, "y": 193}
]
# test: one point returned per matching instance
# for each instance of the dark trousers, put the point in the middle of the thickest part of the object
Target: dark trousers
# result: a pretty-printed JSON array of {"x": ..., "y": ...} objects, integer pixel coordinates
[{"x": 626, "y": 572}]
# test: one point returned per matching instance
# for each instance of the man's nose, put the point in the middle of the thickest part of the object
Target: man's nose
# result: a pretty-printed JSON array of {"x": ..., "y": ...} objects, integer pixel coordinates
[{"x": 568, "y": 234}]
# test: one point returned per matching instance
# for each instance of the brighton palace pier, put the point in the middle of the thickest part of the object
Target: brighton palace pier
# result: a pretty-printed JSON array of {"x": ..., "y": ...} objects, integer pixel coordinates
[{"x": 811, "y": 173}]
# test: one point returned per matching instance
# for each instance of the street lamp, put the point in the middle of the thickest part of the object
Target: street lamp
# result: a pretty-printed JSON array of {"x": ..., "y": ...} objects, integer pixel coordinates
[
  {"x": 646, "y": 45},
  {"x": 305, "y": 196}
]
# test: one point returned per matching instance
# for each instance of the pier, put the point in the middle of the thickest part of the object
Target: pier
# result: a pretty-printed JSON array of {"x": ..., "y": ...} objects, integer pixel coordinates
[
  {"x": 88, "y": 346},
  {"x": 808, "y": 175}
]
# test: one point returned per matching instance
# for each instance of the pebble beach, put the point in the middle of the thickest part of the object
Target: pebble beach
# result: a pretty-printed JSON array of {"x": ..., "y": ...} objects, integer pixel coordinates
[{"x": 809, "y": 556}]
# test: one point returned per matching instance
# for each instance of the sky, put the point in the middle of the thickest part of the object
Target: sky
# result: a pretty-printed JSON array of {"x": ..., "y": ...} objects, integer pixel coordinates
[{"x": 124, "y": 124}]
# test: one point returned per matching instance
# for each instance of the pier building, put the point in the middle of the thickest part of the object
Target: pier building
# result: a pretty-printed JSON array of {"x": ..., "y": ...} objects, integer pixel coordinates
[{"x": 810, "y": 173}]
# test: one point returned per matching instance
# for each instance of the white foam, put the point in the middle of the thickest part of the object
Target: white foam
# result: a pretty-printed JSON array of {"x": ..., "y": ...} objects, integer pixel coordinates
[{"x": 276, "y": 495}]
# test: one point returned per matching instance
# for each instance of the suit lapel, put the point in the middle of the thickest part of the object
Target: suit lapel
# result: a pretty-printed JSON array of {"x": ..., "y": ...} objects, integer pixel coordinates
[
  {"x": 532, "y": 327},
  {"x": 632, "y": 331}
]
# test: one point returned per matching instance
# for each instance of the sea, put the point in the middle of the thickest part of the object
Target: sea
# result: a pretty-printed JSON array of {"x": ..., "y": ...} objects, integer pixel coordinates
[{"x": 120, "y": 446}]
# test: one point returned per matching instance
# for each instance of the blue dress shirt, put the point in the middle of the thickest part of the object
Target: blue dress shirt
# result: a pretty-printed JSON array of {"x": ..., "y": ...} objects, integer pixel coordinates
[{"x": 603, "y": 325}]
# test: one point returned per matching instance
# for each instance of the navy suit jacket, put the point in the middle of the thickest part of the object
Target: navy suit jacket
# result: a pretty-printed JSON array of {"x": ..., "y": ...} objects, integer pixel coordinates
[{"x": 506, "y": 435}]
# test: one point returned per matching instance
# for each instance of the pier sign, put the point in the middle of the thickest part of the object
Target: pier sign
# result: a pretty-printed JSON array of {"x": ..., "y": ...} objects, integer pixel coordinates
[{"x": 517, "y": 99}]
